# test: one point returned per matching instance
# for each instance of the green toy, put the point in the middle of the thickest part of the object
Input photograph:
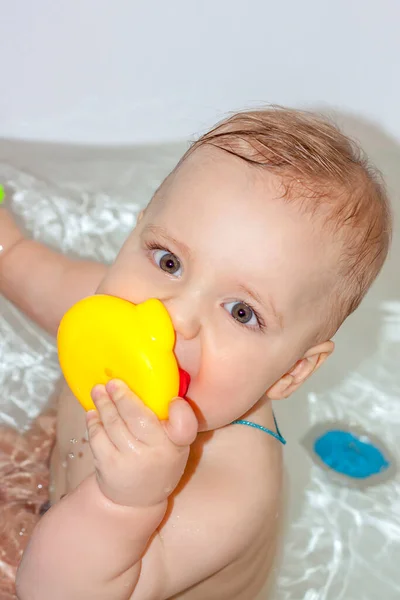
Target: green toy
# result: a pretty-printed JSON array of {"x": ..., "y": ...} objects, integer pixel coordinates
[{"x": 2, "y": 194}]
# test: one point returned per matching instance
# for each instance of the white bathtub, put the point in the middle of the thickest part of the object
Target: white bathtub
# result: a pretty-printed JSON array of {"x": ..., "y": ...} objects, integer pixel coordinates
[{"x": 340, "y": 543}]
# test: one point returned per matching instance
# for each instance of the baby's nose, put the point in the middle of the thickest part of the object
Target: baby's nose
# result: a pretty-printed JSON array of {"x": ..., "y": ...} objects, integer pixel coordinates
[{"x": 185, "y": 315}]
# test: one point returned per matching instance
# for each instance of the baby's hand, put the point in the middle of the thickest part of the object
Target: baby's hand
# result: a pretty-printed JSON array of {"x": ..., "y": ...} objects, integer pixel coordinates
[{"x": 139, "y": 460}]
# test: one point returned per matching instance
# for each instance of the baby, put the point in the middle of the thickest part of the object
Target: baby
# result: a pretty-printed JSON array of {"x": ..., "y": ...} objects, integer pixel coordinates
[{"x": 260, "y": 243}]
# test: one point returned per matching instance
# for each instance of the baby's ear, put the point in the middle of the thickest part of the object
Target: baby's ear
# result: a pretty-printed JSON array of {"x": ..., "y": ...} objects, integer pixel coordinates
[{"x": 301, "y": 371}]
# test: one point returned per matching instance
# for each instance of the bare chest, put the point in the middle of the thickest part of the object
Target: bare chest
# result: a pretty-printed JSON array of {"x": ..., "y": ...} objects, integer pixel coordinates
[
  {"x": 72, "y": 459},
  {"x": 248, "y": 578}
]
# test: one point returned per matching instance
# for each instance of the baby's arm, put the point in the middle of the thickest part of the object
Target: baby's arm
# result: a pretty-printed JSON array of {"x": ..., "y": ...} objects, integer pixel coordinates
[
  {"x": 91, "y": 543},
  {"x": 39, "y": 281},
  {"x": 103, "y": 540},
  {"x": 87, "y": 548}
]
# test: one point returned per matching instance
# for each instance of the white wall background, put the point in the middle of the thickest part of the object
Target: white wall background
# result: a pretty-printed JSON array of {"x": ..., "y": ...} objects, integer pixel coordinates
[{"x": 122, "y": 71}]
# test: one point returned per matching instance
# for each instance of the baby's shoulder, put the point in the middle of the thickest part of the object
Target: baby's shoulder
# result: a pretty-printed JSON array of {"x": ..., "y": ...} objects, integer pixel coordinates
[
  {"x": 248, "y": 461},
  {"x": 234, "y": 475}
]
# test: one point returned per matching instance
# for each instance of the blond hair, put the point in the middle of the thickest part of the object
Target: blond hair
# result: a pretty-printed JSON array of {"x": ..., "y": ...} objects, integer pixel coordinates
[{"x": 322, "y": 169}]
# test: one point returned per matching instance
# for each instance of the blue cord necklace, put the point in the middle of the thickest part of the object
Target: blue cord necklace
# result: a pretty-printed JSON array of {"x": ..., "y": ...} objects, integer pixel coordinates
[{"x": 277, "y": 435}]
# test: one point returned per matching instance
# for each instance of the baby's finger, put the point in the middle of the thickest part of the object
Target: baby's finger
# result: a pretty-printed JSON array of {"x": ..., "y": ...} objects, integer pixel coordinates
[
  {"x": 182, "y": 425},
  {"x": 98, "y": 439},
  {"x": 140, "y": 420},
  {"x": 113, "y": 424}
]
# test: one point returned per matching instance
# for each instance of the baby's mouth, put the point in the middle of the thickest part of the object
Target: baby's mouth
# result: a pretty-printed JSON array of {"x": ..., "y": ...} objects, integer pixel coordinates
[{"x": 184, "y": 382}]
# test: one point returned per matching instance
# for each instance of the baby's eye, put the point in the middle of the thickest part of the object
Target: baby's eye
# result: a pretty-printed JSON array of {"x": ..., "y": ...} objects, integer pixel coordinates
[
  {"x": 168, "y": 262},
  {"x": 242, "y": 313}
]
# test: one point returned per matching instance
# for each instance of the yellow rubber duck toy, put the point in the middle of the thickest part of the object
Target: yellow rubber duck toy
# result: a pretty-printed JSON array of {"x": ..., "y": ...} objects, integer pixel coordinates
[{"x": 103, "y": 337}]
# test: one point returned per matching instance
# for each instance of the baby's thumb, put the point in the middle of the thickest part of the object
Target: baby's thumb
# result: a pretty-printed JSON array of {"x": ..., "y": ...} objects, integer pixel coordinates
[{"x": 182, "y": 425}]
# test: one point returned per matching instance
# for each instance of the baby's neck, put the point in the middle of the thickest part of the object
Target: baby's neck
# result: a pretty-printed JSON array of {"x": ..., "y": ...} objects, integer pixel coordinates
[{"x": 260, "y": 411}]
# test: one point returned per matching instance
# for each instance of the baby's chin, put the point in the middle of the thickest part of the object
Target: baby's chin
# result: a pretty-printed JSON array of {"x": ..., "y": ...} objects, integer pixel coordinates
[{"x": 208, "y": 418}]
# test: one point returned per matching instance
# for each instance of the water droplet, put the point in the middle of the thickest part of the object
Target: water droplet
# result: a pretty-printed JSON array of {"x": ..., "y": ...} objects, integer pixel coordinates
[
  {"x": 64, "y": 464},
  {"x": 39, "y": 486},
  {"x": 73, "y": 441},
  {"x": 71, "y": 455},
  {"x": 131, "y": 445}
]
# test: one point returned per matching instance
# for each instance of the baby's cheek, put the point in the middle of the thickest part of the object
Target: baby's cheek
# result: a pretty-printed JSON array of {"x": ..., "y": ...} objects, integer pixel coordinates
[
  {"x": 244, "y": 382},
  {"x": 225, "y": 383},
  {"x": 128, "y": 284}
]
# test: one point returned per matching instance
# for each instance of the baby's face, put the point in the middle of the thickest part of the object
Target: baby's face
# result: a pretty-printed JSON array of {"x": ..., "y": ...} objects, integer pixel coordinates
[{"x": 241, "y": 273}]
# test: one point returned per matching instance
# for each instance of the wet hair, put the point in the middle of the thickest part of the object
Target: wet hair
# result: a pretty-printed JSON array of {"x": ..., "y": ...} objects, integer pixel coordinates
[{"x": 327, "y": 174}]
